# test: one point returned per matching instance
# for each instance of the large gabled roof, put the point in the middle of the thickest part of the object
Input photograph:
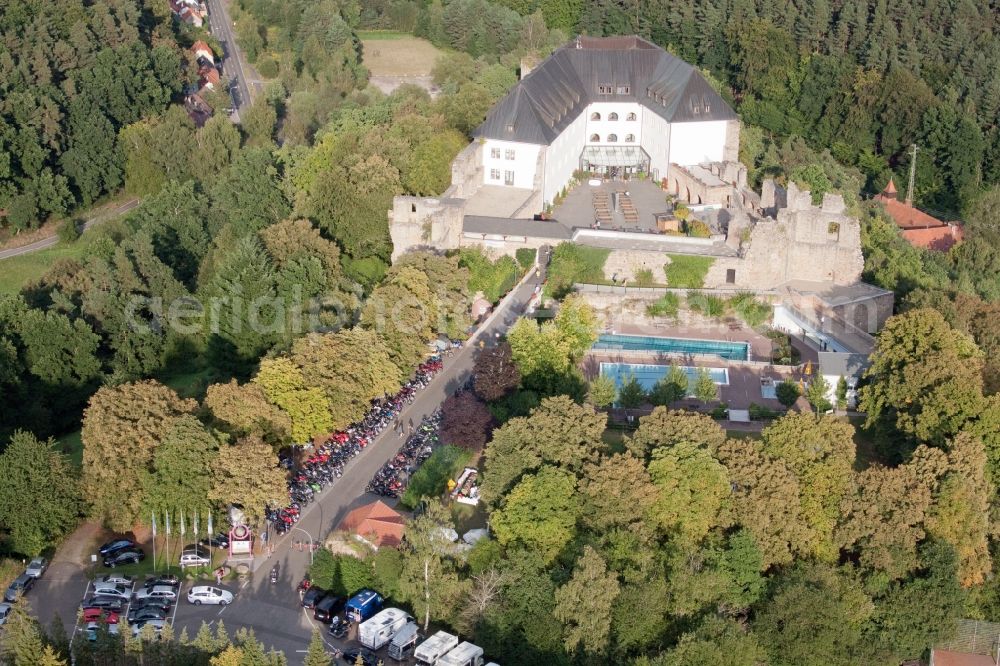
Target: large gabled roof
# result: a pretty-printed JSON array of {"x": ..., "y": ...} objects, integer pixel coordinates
[{"x": 552, "y": 95}]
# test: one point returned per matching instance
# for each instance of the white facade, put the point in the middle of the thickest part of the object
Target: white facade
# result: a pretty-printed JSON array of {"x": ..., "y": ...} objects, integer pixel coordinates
[
  {"x": 514, "y": 164},
  {"x": 656, "y": 142},
  {"x": 510, "y": 163},
  {"x": 695, "y": 143},
  {"x": 608, "y": 123},
  {"x": 562, "y": 157}
]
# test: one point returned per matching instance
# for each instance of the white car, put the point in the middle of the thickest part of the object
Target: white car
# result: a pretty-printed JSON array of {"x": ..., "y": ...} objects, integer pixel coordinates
[
  {"x": 157, "y": 592},
  {"x": 4, "y": 612},
  {"x": 37, "y": 567},
  {"x": 109, "y": 590},
  {"x": 206, "y": 594},
  {"x": 194, "y": 559}
]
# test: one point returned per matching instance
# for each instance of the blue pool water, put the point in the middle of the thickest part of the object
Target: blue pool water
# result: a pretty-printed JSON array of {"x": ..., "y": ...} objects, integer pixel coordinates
[
  {"x": 648, "y": 375},
  {"x": 731, "y": 351}
]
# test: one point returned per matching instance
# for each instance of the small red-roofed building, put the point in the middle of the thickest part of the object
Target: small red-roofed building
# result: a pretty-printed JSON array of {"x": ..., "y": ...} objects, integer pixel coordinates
[{"x": 917, "y": 227}]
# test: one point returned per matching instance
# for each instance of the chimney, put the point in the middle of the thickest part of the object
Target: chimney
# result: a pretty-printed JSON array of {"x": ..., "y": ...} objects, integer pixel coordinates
[{"x": 528, "y": 63}]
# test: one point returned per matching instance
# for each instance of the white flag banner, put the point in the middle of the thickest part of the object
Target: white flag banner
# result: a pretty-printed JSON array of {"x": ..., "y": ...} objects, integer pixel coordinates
[
  {"x": 183, "y": 527},
  {"x": 194, "y": 523},
  {"x": 166, "y": 525},
  {"x": 211, "y": 531},
  {"x": 153, "y": 516}
]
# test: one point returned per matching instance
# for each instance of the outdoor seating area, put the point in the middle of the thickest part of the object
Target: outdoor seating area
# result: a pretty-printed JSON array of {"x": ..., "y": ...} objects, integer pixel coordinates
[{"x": 617, "y": 205}]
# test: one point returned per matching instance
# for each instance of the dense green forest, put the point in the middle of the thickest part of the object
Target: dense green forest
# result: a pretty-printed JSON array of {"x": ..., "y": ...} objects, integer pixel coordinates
[{"x": 72, "y": 74}]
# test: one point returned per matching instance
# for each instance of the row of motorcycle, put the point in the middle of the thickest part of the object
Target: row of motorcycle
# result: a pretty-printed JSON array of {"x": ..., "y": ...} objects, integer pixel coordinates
[
  {"x": 327, "y": 460},
  {"x": 391, "y": 479}
]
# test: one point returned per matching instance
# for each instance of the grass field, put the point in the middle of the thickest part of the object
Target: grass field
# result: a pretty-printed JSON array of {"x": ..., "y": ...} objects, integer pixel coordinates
[
  {"x": 397, "y": 54},
  {"x": 16, "y": 271}
]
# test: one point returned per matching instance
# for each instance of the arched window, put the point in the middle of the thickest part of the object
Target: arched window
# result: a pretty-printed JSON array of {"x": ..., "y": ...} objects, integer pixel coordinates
[
  {"x": 595, "y": 116},
  {"x": 630, "y": 138},
  {"x": 595, "y": 138},
  {"x": 612, "y": 116},
  {"x": 630, "y": 116},
  {"x": 612, "y": 138}
]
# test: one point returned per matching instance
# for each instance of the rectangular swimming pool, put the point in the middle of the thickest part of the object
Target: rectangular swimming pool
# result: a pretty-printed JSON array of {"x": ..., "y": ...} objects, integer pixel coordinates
[
  {"x": 648, "y": 375},
  {"x": 731, "y": 351}
]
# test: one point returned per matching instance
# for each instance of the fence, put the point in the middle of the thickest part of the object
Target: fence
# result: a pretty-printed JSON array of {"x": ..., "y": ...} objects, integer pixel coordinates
[{"x": 974, "y": 637}]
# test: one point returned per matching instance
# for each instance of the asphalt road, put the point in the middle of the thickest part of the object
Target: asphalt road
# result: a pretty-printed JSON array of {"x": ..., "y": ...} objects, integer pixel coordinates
[
  {"x": 232, "y": 61},
  {"x": 273, "y": 610},
  {"x": 52, "y": 240}
]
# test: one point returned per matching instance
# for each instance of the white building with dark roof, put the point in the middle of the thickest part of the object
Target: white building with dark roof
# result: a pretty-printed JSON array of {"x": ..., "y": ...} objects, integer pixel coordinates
[{"x": 609, "y": 105}]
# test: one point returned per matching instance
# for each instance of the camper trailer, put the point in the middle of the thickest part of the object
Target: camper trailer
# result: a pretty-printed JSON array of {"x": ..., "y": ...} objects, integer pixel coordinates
[
  {"x": 435, "y": 647},
  {"x": 379, "y": 630},
  {"x": 402, "y": 644},
  {"x": 466, "y": 654},
  {"x": 363, "y": 605}
]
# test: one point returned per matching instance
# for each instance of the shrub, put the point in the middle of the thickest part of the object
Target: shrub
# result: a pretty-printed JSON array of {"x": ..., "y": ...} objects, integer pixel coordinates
[
  {"x": 761, "y": 413},
  {"x": 787, "y": 392},
  {"x": 720, "y": 411},
  {"x": 493, "y": 278},
  {"x": 754, "y": 312},
  {"x": 525, "y": 257},
  {"x": 518, "y": 403},
  {"x": 267, "y": 67},
  {"x": 708, "y": 305},
  {"x": 782, "y": 353},
  {"x": 68, "y": 231},
  {"x": 572, "y": 264},
  {"x": 697, "y": 228},
  {"x": 644, "y": 277},
  {"x": 432, "y": 478},
  {"x": 687, "y": 271},
  {"x": 665, "y": 306}
]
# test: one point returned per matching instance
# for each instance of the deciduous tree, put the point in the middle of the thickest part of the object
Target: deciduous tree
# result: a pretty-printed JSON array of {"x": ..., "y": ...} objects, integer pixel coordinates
[
  {"x": 584, "y": 604},
  {"x": 601, "y": 392},
  {"x": 246, "y": 473},
  {"x": 180, "y": 476},
  {"x": 465, "y": 421},
  {"x": 495, "y": 374},
  {"x": 615, "y": 492},
  {"x": 244, "y": 409},
  {"x": 539, "y": 513},
  {"x": 666, "y": 428},
  {"x": 306, "y": 408},
  {"x": 693, "y": 487},
  {"x": 122, "y": 429}
]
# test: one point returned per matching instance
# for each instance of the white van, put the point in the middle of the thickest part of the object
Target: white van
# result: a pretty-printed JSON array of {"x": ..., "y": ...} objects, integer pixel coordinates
[
  {"x": 435, "y": 647},
  {"x": 466, "y": 654},
  {"x": 379, "y": 629}
]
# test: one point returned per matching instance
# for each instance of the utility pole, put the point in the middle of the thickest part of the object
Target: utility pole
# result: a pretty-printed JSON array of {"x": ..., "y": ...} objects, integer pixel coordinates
[{"x": 913, "y": 173}]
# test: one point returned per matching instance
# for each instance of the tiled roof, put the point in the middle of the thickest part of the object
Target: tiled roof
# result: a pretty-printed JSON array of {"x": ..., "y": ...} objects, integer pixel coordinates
[
  {"x": 553, "y": 94},
  {"x": 941, "y": 239},
  {"x": 949, "y": 658},
  {"x": 377, "y": 522},
  {"x": 919, "y": 228}
]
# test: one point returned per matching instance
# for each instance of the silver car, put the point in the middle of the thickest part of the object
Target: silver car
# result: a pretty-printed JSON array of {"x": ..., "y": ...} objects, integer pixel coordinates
[
  {"x": 157, "y": 626},
  {"x": 117, "y": 591},
  {"x": 115, "y": 579},
  {"x": 158, "y": 592},
  {"x": 37, "y": 567}
]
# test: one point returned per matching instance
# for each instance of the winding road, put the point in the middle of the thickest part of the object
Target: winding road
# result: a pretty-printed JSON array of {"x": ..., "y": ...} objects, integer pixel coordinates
[{"x": 52, "y": 240}]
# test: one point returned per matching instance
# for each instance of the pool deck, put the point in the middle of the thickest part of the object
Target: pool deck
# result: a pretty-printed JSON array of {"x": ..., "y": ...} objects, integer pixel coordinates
[{"x": 744, "y": 378}]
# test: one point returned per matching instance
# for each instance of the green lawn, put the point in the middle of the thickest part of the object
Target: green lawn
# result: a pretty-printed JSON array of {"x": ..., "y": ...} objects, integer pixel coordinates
[
  {"x": 382, "y": 34},
  {"x": 72, "y": 445},
  {"x": 17, "y": 271}
]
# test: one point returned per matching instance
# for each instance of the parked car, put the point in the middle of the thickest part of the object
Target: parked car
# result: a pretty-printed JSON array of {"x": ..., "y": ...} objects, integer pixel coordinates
[
  {"x": 115, "y": 579},
  {"x": 163, "y": 579},
  {"x": 106, "y": 590},
  {"x": 126, "y": 556},
  {"x": 4, "y": 612},
  {"x": 19, "y": 586},
  {"x": 115, "y": 545},
  {"x": 368, "y": 658},
  {"x": 153, "y": 602},
  {"x": 328, "y": 606},
  {"x": 220, "y": 540},
  {"x": 156, "y": 624},
  {"x": 158, "y": 592},
  {"x": 37, "y": 567},
  {"x": 93, "y": 629},
  {"x": 206, "y": 594},
  {"x": 104, "y": 603},
  {"x": 312, "y": 596},
  {"x": 144, "y": 614},
  {"x": 194, "y": 559},
  {"x": 100, "y": 615}
]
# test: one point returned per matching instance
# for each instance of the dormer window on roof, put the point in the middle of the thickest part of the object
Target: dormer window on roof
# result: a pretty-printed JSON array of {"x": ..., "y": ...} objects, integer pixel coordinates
[
  {"x": 510, "y": 128},
  {"x": 622, "y": 90}
]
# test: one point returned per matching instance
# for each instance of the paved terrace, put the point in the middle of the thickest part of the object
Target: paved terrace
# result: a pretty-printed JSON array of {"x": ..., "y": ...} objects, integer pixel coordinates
[{"x": 577, "y": 210}]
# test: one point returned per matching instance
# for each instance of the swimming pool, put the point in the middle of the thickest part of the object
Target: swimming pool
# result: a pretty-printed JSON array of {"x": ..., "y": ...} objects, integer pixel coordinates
[
  {"x": 731, "y": 351},
  {"x": 648, "y": 375}
]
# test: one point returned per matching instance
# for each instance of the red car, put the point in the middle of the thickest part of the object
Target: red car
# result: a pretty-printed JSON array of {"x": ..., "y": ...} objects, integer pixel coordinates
[{"x": 99, "y": 614}]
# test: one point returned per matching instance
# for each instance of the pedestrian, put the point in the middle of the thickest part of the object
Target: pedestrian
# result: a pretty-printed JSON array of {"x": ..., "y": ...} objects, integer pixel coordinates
[{"x": 218, "y": 576}]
